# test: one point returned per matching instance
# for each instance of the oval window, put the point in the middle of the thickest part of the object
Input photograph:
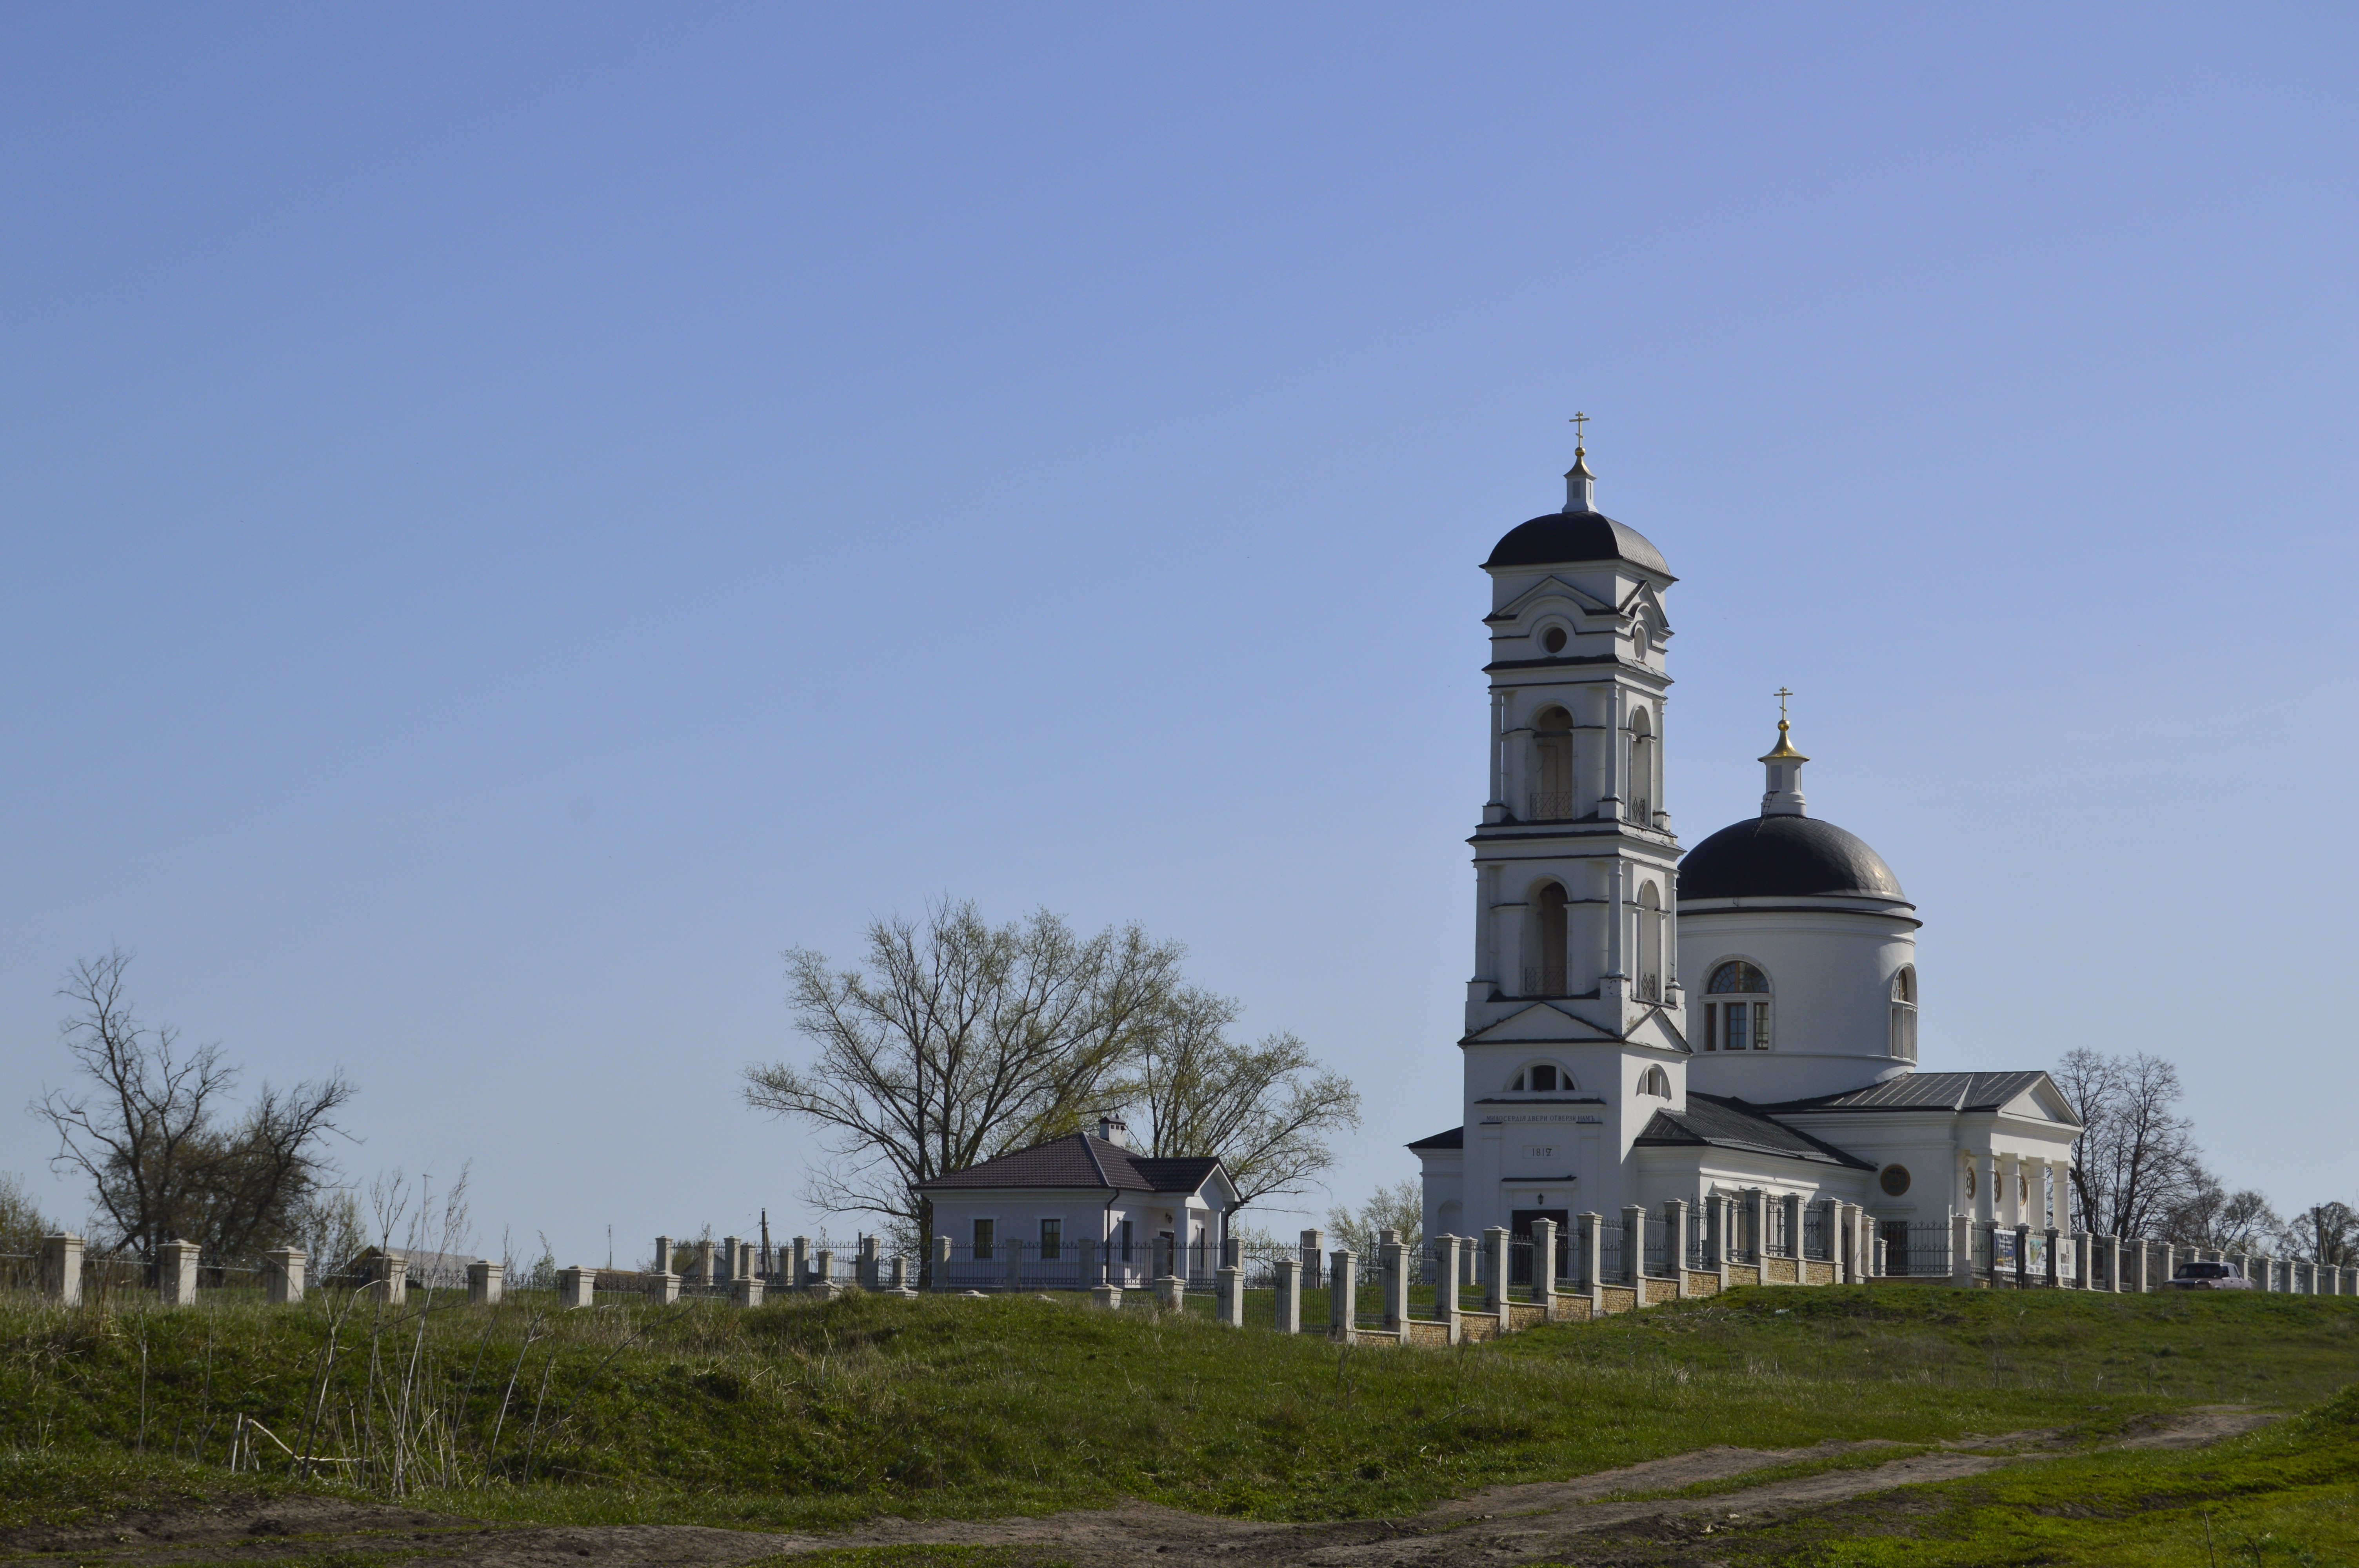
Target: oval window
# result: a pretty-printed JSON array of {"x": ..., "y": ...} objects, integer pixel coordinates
[
  {"x": 1553, "y": 641},
  {"x": 1895, "y": 1180}
]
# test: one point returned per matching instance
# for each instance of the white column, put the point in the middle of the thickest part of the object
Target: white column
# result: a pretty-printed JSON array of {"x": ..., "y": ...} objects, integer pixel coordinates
[
  {"x": 1498, "y": 745},
  {"x": 282, "y": 1276},
  {"x": 61, "y": 1267}
]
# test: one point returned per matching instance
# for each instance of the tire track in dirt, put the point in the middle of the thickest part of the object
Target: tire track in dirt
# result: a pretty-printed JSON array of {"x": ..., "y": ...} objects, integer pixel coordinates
[{"x": 1518, "y": 1522}]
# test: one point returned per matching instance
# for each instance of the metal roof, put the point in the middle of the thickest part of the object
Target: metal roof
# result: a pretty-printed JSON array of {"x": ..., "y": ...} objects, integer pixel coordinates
[
  {"x": 1926, "y": 1091},
  {"x": 1080, "y": 1160},
  {"x": 1733, "y": 1124}
]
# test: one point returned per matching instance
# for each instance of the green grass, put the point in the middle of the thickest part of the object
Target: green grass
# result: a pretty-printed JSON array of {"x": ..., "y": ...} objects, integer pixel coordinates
[
  {"x": 2286, "y": 1495},
  {"x": 800, "y": 1415}
]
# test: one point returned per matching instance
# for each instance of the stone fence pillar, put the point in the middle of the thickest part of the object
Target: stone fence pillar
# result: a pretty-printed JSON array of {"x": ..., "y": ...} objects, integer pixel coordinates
[
  {"x": 1088, "y": 1271},
  {"x": 706, "y": 1270},
  {"x": 389, "y": 1277},
  {"x": 1593, "y": 1260},
  {"x": 1863, "y": 1229},
  {"x": 282, "y": 1275},
  {"x": 1675, "y": 1239},
  {"x": 1961, "y": 1251},
  {"x": 663, "y": 1255},
  {"x": 1342, "y": 1294},
  {"x": 824, "y": 1273},
  {"x": 663, "y": 1287},
  {"x": 576, "y": 1288},
  {"x": 1233, "y": 1252},
  {"x": 1445, "y": 1282},
  {"x": 733, "y": 1263},
  {"x": 1544, "y": 1244},
  {"x": 1314, "y": 1253},
  {"x": 800, "y": 1276},
  {"x": 1792, "y": 1204},
  {"x": 61, "y": 1267},
  {"x": 176, "y": 1273},
  {"x": 2169, "y": 1263},
  {"x": 1494, "y": 1273},
  {"x": 1758, "y": 1198},
  {"x": 1289, "y": 1295},
  {"x": 487, "y": 1282},
  {"x": 746, "y": 1291},
  {"x": 1229, "y": 1295},
  {"x": 1011, "y": 1257},
  {"x": 941, "y": 1263},
  {"x": 870, "y": 1257},
  {"x": 1633, "y": 1244}
]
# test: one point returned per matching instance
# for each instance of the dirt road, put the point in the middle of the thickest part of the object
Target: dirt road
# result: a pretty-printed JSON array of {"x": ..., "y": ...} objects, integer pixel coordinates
[{"x": 1509, "y": 1524}]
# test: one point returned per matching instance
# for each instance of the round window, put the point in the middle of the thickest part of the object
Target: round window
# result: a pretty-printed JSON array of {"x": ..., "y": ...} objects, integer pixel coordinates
[
  {"x": 1553, "y": 640},
  {"x": 1895, "y": 1180}
]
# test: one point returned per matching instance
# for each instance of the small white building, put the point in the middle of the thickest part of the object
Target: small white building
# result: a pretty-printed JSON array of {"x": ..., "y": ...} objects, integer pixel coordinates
[
  {"x": 1740, "y": 1019},
  {"x": 1079, "y": 1210}
]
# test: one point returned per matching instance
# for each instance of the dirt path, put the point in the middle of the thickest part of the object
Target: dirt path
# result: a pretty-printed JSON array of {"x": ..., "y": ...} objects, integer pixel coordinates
[{"x": 1516, "y": 1523}]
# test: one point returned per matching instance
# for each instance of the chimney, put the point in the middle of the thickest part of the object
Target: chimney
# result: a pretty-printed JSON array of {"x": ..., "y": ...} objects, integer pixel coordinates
[{"x": 1114, "y": 1131}]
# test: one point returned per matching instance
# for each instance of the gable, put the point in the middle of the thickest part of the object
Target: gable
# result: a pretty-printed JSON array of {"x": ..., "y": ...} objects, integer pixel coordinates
[
  {"x": 2043, "y": 1101},
  {"x": 1581, "y": 602},
  {"x": 1539, "y": 1024},
  {"x": 1655, "y": 1030}
]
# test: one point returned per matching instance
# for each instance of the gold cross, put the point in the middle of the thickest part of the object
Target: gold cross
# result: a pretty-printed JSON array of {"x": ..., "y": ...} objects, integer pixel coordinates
[
  {"x": 1781, "y": 693},
  {"x": 1576, "y": 422}
]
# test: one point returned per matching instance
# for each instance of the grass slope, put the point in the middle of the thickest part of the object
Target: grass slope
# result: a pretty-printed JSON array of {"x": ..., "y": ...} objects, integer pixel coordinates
[{"x": 801, "y": 1414}]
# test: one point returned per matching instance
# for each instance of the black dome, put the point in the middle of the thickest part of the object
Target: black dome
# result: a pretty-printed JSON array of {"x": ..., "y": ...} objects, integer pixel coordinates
[
  {"x": 1786, "y": 856},
  {"x": 1555, "y": 537}
]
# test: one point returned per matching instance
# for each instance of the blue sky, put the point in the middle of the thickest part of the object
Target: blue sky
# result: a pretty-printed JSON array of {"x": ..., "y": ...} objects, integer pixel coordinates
[{"x": 510, "y": 517}]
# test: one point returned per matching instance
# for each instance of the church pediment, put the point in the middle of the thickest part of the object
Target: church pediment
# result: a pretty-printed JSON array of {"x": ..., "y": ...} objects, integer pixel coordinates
[
  {"x": 1536, "y": 1024},
  {"x": 2043, "y": 1101},
  {"x": 1579, "y": 602},
  {"x": 1655, "y": 1030}
]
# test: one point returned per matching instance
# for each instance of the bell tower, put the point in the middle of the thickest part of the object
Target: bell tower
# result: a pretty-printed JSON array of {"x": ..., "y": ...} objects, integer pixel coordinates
[{"x": 1575, "y": 862}]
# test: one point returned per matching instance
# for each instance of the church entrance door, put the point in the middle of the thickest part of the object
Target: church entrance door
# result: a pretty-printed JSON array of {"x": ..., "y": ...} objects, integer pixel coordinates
[{"x": 1520, "y": 1225}]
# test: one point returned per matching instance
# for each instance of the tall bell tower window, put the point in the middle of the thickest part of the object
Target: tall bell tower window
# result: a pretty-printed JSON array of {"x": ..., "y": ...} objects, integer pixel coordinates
[
  {"x": 1903, "y": 1014},
  {"x": 1736, "y": 1008},
  {"x": 1650, "y": 943},
  {"x": 1642, "y": 769},
  {"x": 1546, "y": 978},
  {"x": 1552, "y": 777}
]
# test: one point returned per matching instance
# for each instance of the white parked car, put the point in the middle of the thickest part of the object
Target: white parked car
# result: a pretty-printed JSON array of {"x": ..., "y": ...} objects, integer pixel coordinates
[{"x": 2209, "y": 1277}]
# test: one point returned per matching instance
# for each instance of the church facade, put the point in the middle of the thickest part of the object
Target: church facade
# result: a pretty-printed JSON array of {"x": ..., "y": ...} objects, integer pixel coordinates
[{"x": 1646, "y": 1024}]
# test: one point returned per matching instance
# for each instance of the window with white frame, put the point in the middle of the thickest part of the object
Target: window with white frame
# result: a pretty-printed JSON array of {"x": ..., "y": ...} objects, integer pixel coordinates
[
  {"x": 1903, "y": 1014},
  {"x": 1736, "y": 1008},
  {"x": 1541, "y": 1079}
]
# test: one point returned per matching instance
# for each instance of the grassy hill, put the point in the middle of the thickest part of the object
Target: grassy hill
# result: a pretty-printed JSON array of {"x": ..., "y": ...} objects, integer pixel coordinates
[{"x": 801, "y": 1414}]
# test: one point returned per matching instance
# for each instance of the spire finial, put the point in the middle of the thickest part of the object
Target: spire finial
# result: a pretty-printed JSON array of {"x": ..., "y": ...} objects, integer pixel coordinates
[
  {"x": 1580, "y": 484},
  {"x": 1783, "y": 795}
]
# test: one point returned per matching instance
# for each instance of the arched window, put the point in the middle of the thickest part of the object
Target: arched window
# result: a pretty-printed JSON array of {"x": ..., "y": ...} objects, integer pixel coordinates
[
  {"x": 1903, "y": 1014},
  {"x": 1542, "y": 1078},
  {"x": 1545, "y": 974},
  {"x": 1641, "y": 791},
  {"x": 1736, "y": 1008},
  {"x": 1650, "y": 943},
  {"x": 1552, "y": 788},
  {"x": 1657, "y": 1082}
]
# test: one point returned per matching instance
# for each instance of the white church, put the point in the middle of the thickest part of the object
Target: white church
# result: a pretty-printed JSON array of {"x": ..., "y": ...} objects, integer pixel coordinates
[{"x": 1644, "y": 1024}]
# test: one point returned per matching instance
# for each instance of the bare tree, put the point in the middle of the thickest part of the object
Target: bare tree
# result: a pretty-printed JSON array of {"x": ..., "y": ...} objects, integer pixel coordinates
[
  {"x": 2136, "y": 1159},
  {"x": 1267, "y": 1109},
  {"x": 147, "y": 1132},
  {"x": 2327, "y": 1235},
  {"x": 2206, "y": 1215},
  {"x": 1399, "y": 1208},
  {"x": 955, "y": 1041}
]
